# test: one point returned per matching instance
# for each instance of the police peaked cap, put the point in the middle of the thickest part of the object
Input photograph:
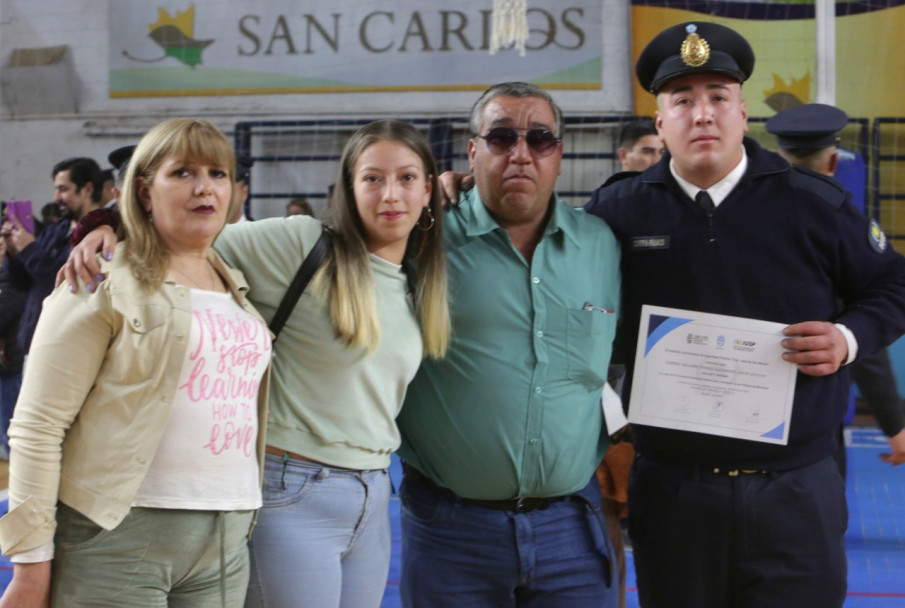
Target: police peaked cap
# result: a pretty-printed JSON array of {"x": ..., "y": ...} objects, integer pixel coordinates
[
  {"x": 243, "y": 168},
  {"x": 120, "y": 157},
  {"x": 693, "y": 47},
  {"x": 810, "y": 126}
]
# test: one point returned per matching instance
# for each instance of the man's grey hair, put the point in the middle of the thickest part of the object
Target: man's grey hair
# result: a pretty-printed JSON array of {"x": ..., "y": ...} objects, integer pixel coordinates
[{"x": 514, "y": 89}]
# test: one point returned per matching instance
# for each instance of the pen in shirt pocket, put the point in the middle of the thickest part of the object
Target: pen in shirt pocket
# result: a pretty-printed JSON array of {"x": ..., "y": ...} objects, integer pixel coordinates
[{"x": 591, "y": 307}]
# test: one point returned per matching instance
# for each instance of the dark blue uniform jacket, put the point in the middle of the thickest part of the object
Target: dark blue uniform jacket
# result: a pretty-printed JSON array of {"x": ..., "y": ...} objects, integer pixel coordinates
[{"x": 786, "y": 246}]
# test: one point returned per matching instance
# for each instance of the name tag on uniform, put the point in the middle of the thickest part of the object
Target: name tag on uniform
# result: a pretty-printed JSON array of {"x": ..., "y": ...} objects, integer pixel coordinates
[{"x": 650, "y": 242}]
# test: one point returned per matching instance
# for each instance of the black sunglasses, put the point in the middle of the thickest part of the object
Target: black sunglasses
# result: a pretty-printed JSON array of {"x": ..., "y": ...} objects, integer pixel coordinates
[{"x": 501, "y": 140}]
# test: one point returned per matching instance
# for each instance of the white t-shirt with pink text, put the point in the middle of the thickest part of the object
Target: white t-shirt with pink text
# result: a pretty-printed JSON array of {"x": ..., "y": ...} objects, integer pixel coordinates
[{"x": 207, "y": 459}]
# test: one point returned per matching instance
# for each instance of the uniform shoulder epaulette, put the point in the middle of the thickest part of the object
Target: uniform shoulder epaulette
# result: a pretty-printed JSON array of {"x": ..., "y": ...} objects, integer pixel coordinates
[
  {"x": 823, "y": 186},
  {"x": 616, "y": 177}
]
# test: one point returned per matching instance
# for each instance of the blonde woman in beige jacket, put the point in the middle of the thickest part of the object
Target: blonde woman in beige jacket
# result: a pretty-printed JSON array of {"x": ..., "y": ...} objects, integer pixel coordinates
[{"x": 137, "y": 438}]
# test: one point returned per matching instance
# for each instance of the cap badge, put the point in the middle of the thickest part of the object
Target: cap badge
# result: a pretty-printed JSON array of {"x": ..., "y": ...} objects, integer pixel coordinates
[{"x": 695, "y": 50}]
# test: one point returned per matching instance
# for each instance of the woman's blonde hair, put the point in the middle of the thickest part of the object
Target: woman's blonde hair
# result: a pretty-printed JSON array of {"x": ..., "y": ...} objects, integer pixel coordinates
[
  {"x": 182, "y": 138},
  {"x": 346, "y": 273}
]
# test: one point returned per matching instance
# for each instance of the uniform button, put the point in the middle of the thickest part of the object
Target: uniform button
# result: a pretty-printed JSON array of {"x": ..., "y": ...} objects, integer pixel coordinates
[
  {"x": 535, "y": 280},
  {"x": 532, "y": 441},
  {"x": 540, "y": 334},
  {"x": 537, "y": 390},
  {"x": 136, "y": 322}
]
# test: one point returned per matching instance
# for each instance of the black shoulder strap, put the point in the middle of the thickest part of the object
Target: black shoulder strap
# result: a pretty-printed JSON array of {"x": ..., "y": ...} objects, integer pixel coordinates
[{"x": 309, "y": 266}]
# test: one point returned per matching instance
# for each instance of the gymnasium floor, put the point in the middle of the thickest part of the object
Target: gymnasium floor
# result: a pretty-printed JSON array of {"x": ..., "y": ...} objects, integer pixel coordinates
[{"x": 875, "y": 538}]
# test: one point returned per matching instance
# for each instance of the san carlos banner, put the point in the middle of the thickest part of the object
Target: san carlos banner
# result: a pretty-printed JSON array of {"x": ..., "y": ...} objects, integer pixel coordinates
[{"x": 175, "y": 48}]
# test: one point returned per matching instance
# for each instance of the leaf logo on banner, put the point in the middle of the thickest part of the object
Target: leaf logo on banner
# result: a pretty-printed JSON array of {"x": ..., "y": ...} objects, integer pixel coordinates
[
  {"x": 788, "y": 95},
  {"x": 175, "y": 35}
]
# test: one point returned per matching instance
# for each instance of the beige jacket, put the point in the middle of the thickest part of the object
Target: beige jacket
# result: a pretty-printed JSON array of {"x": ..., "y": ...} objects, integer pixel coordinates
[{"x": 98, "y": 387}]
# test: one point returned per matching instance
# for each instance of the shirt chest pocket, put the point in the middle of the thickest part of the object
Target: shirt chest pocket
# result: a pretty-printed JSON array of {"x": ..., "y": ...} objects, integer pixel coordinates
[
  {"x": 589, "y": 339},
  {"x": 141, "y": 347}
]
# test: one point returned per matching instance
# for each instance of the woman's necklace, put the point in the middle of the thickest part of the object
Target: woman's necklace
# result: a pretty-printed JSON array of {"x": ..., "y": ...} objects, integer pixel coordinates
[{"x": 210, "y": 275}]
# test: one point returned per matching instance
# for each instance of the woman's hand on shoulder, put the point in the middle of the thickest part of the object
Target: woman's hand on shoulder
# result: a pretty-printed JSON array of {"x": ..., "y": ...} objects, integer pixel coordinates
[
  {"x": 29, "y": 588},
  {"x": 82, "y": 262},
  {"x": 452, "y": 183}
]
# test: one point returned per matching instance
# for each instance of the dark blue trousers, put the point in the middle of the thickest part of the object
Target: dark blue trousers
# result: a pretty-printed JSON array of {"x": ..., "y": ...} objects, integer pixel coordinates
[{"x": 760, "y": 540}]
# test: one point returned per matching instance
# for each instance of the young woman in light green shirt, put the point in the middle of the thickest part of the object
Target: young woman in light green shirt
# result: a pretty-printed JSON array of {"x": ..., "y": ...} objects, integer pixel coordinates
[{"x": 341, "y": 367}]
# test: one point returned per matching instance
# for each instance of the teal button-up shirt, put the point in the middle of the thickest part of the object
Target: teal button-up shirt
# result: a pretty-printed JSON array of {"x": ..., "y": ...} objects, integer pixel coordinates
[{"x": 514, "y": 408}]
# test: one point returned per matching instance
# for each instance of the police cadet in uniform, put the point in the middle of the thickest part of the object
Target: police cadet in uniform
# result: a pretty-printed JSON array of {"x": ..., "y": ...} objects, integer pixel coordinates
[
  {"x": 807, "y": 136},
  {"x": 721, "y": 225}
]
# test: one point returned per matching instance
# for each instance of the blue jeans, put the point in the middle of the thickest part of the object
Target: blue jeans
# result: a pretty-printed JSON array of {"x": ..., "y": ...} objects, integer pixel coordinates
[
  {"x": 322, "y": 538},
  {"x": 457, "y": 554},
  {"x": 9, "y": 393}
]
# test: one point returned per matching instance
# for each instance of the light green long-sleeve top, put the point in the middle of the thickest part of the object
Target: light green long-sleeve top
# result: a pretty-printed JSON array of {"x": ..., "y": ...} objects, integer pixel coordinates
[{"x": 328, "y": 402}]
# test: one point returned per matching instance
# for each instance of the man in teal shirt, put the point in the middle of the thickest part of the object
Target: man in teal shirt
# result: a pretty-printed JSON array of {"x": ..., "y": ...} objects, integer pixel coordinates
[{"x": 501, "y": 438}]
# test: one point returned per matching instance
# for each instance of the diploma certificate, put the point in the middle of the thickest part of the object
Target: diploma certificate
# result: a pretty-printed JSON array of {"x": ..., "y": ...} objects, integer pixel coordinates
[{"x": 712, "y": 374}]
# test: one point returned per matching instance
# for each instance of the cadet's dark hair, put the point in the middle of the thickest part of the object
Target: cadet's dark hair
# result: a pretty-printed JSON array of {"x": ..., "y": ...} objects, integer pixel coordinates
[{"x": 632, "y": 131}]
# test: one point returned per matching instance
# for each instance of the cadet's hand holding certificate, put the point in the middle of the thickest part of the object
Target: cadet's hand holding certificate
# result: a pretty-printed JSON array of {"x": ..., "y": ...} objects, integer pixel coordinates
[{"x": 712, "y": 374}]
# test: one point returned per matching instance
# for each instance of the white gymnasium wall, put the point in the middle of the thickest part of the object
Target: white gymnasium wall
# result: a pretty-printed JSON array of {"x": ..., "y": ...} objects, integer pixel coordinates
[{"x": 30, "y": 144}]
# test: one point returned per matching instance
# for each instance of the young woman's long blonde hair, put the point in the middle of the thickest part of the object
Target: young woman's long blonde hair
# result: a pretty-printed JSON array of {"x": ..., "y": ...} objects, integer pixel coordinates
[
  {"x": 189, "y": 139},
  {"x": 346, "y": 276}
]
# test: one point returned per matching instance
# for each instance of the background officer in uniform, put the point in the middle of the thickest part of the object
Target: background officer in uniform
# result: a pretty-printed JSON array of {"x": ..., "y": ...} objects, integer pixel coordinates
[
  {"x": 639, "y": 145},
  {"x": 119, "y": 158},
  {"x": 718, "y": 521},
  {"x": 807, "y": 137},
  {"x": 240, "y": 192}
]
